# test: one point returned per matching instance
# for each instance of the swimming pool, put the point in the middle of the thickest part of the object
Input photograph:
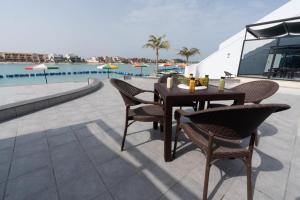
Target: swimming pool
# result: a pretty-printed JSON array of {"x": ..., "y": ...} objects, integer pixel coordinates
[{"x": 15, "y": 74}]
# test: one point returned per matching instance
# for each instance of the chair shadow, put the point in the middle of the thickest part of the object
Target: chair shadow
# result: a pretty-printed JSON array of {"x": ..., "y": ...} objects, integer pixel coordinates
[
  {"x": 101, "y": 142},
  {"x": 267, "y": 129},
  {"x": 267, "y": 163}
]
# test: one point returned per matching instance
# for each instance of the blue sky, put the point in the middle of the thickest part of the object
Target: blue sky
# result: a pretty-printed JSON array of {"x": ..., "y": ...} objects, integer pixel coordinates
[{"x": 121, "y": 27}]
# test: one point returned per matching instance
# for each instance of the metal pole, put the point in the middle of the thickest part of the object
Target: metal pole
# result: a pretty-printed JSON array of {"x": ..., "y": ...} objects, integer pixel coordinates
[
  {"x": 242, "y": 51},
  {"x": 45, "y": 77},
  {"x": 273, "y": 59}
]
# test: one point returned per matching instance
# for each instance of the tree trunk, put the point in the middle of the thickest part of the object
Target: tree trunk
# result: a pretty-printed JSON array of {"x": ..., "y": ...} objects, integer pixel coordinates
[
  {"x": 157, "y": 54},
  {"x": 187, "y": 60}
]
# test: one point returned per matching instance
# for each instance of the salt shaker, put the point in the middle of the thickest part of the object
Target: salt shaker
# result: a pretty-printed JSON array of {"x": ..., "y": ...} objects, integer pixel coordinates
[{"x": 169, "y": 82}]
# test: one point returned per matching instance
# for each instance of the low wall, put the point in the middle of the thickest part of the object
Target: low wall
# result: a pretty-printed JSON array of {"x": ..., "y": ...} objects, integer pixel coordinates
[{"x": 13, "y": 110}]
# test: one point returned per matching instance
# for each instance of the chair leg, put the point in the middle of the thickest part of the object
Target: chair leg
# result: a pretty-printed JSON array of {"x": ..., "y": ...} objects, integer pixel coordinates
[
  {"x": 249, "y": 179},
  {"x": 206, "y": 179},
  {"x": 161, "y": 127},
  {"x": 257, "y": 140},
  {"x": 124, "y": 135},
  {"x": 176, "y": 139}
]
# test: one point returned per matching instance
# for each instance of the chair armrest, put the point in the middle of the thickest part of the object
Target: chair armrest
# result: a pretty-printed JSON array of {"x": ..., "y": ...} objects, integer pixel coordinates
[
  {"x": 147, "y": 91},
  {"x": 145, "y": 101},
  {"x": 179, "y": 113},
  {"x": 149, "y": 102}
]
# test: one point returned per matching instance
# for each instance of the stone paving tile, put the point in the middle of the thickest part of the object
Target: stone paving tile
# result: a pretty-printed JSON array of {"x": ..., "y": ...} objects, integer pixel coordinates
[
  {"x": 238, "y": 191},
  {"x": 71, "y": 168},
  {"x": 61, "y": 139},
  {"x": 47, "y": 194},
  {"x": 2, "y": 185},
  {"x": 116, "y": 170},
  {"x": 30, "y": 138},
  {"x": 187, "y": 188},
  {"x": 6, "y": 155},
  {"x": 30, "y": 184},
  {"x": 101, "y": 154},
  {"x": 162, "y": 176},
  {"x": 4, "y": 167},
  {"x": 30, "y": 148},
  {"x": 135, "y": 187},
  {"x": 67, "y": 151},
  {"x": 8, "y": 132},
  {"x": 58, "y": 131},
  {"x": 104, "y": 196},
  {"x": 30, "y": 163},
  {"x": 86, "y": 131},
  {"x": 87, "y": 186},
  {"x": 7, "y": 143},
  {"x": 292, "y": 190}
]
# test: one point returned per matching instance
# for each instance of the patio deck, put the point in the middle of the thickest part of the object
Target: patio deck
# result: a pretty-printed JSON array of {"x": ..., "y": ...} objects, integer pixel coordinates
[{"x": 72, "y": 151}]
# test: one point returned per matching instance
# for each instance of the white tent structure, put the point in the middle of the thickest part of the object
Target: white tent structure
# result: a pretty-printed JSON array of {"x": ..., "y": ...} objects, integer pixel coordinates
[{"x": 227, "y": 57}]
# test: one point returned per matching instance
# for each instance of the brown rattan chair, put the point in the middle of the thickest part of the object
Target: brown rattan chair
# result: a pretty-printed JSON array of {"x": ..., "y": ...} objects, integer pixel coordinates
[
  {"x": 215, "y": 131},
  {"x": 151, "y": 112},
  {"x": 255, "y": 91}
]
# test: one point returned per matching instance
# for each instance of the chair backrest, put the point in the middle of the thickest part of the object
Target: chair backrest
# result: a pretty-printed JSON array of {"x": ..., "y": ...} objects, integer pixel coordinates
[
  {"x": 256, "y": 91},
  {"x": 127, "y": 91},
  {"x": 235, "y": 122},
  {"x": 163, "y": 79}
]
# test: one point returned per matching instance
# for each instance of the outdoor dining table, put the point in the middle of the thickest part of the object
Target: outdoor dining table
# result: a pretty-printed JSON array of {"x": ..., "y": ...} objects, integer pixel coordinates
[{"x": 175, "y": 97}]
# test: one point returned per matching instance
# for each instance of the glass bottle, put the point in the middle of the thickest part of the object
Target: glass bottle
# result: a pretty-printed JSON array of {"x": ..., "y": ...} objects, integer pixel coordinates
[
  {"x": 191, "y": 76},
  {"x": 206, "y": 80},
  {"x": 222, "y": 84},
  {"x": 192, "y": 85}
]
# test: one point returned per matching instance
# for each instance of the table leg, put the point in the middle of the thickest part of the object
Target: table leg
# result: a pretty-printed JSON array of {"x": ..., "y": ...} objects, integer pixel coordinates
[
  {"x": 201, "y": 105},
  {"x": 156, "y": 99},
  {"x": 239, "y": 100},
  {"x": 167, "y": 132}
]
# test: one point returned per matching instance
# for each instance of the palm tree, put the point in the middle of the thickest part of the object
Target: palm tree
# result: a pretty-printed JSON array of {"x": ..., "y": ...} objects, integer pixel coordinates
[
  {"x": 188, "y": 52},
  {"x": 157, "y": 43}
]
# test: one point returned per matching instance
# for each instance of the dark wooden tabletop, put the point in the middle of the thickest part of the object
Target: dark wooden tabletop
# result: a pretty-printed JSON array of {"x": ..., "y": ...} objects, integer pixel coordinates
[{"x": 211, "y": 93}]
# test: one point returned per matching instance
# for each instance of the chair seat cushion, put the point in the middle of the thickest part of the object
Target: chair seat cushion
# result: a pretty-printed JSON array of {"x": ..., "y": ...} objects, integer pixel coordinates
[
  {"x": 147, "y": 113},
  {"x": 221, "y": 148}
]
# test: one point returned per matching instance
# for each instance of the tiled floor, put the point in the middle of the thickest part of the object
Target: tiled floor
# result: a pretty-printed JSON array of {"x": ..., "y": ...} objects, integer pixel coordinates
[
  {"x": 72, "y": 151},
  {"x": 14, "y": 94}
]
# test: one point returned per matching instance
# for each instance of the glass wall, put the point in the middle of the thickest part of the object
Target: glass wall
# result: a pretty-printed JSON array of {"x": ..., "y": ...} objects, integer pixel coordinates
[{"x": 271, "y": 58}]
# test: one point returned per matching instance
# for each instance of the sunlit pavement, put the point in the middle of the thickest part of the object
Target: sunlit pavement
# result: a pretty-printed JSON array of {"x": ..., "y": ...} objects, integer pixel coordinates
[{"x": 72, "y": 151}]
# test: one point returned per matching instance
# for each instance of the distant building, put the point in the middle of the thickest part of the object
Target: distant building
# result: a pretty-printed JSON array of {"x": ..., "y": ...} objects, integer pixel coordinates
[
  {"x": 73, "y": 58},
  {"x": 22, "y": 57},
  {"x": 92, "y": 60},
  {"x": 57, "y": 58}
]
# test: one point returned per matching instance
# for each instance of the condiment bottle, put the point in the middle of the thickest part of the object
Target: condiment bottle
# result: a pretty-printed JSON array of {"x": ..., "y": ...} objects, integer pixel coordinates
[
  {"x": 169, "y": 82},
  {"x": 191, "y": 76},
  {"x": 206, "y": 80},
  {"x": 222, "y": 84},
  {"x": 192, "y": 85}
]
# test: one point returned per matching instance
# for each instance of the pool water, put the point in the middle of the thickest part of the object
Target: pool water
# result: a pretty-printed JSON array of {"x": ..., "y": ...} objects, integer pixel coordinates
[{"x": 10, "y": 73}]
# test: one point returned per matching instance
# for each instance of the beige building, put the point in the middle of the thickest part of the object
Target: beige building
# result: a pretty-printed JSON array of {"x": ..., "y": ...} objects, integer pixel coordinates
[{"x": 23, "y": 57}]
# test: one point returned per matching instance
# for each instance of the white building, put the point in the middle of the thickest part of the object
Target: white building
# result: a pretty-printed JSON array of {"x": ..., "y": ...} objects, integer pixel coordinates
[
  {"x": 57, "y": 58},
  {"x": 227, "y": 57},
  {"x": 92, "y": 60}
]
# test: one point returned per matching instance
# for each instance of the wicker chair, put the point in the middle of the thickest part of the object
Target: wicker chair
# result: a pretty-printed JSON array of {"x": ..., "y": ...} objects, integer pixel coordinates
[
  {"x": 255, "y": 91},
  {"x": 215, "y": 131},
  {"x": 151, "y": 112}
]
